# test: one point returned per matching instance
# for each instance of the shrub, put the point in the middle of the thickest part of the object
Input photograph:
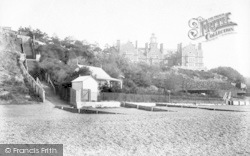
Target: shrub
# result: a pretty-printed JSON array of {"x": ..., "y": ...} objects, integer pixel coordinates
[{"x": 6, "y": 97}]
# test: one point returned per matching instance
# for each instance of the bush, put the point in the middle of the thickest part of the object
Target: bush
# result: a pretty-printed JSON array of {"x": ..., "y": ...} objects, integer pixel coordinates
[
  {"x": 148, "y": 90},
  {"x": 6, "y": 97},
  {"x": 230, "y": 73}
]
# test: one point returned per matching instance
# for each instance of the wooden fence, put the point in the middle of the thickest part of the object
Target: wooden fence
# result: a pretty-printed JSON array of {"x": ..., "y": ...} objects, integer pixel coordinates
[
  {"x": 106, "y": 96},
  {"x": 35, "y": 84},
  {"x": 63, "y": 92}
]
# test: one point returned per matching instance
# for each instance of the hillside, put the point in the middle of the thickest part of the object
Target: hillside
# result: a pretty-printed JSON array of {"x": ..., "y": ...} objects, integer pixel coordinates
[
  {"x": 196, "y": 80},
  {"x": 13, "y": 88},
  {"x": 60, "y": 56}
]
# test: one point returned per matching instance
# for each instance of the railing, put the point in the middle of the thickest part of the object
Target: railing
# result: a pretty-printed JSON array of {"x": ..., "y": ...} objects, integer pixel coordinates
[
  {"x": 38, "y": 82},
  {"x": 36, "y": 85},
  {"x": 48, "y": 80}
]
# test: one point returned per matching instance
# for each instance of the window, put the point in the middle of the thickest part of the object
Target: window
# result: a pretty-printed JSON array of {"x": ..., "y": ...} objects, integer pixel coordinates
[
  {"x": 190, "y": 64},
  {"x": 191, "y": 59}
]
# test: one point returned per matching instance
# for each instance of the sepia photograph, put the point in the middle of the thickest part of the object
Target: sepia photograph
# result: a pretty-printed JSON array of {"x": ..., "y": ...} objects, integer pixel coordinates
[{"x": 124, "y": 77}]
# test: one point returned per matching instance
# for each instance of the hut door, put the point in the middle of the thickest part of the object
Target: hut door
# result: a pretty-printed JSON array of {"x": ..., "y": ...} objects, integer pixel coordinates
[{"x": 85, "y": 95}]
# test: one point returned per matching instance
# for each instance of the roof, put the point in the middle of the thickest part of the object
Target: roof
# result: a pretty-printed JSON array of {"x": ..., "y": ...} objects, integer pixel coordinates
[
  {"x": 99, "y": 73},
  {"x": 39, "y": 42},
  {"x": 82, "y": 78}
]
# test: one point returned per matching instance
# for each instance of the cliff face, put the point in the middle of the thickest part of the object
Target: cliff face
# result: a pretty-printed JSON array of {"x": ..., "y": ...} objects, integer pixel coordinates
[{"x": 12, "y": 84}]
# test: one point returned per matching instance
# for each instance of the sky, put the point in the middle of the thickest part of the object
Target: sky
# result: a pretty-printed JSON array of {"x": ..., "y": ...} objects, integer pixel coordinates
[{"x": 106, "y": 21}]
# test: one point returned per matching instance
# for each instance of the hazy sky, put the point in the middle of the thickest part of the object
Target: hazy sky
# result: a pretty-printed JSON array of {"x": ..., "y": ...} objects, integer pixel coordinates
[{"x": 105, "y": 21}]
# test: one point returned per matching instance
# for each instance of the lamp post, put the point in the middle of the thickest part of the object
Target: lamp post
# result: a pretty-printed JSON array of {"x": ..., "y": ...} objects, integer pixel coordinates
[{"x": 168, "y": 95}]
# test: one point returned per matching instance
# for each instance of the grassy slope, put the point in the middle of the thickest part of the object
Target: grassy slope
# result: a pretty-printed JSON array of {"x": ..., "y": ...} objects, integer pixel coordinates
[
  {"x": 12, "y": 83},
  {"x": 206, "y": 80}
]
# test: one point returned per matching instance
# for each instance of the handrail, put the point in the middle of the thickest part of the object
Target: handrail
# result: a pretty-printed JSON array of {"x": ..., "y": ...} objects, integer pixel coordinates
[
  {"x": 47, "y": 77},
  {"x": 38, "y": 82},
  {"x": 36, "y": 85}
]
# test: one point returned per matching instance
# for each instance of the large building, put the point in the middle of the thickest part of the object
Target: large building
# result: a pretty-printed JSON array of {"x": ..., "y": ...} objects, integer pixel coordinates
[
  {"x": 189, "y": 56},
  {"x": 150, "y": 54}
]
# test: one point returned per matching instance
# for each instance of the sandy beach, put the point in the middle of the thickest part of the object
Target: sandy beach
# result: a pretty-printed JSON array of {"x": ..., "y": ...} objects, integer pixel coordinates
[{"x": 185, "y": 132}]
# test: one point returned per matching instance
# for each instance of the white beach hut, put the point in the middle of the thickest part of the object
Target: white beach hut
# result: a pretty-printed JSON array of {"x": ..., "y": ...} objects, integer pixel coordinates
[{"x": 88, "y": 86}]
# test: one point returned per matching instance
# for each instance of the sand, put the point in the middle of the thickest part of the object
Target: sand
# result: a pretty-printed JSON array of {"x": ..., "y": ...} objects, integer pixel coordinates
[{"x": 186, "y": 132}]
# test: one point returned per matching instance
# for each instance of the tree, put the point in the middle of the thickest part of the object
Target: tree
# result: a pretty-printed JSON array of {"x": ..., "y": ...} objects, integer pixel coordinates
[
  {"x": 174, "y": 59},
  {"x": 61, "y": 72},
  {"x": 232, "y": 74},
  {"x": 170, "y": 81},
  {"x": 37, "y": 33},
  {"x": 26, "y": 30},
  {"x": 53, "y": 51},
  {"x": 55, "y": 40},
  {"x": 74, "y": 74},
  {"x": 129, "y": 86},
  {"x": 84, "y": 71},
  {"x": 141, "y": 79},
  {"x": 109, "y": 61}
]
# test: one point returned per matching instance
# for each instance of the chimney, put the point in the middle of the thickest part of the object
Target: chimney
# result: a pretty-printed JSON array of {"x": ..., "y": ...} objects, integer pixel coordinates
[
  {"x": 136, "y": 45},
  {"x": 199, "y": 46},
  {"x": 118, "y": 44},
  {"x": 182, "y": 60},
  {"x": 161, "y": 47},
  {"x": 146, "y": 48},
  {"x": 179, "y": 47}
]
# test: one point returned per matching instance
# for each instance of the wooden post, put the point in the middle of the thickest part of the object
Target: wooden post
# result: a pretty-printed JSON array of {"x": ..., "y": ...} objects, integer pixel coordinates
[
  {"x": 43, "y": 95},
  {"x": 169, "y": 96},
  {"x": 89, "y": 95}
]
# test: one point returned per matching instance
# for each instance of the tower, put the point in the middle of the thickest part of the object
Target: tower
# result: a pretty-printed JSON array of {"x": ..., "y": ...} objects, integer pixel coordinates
[{"x": 153, "y": 42}]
